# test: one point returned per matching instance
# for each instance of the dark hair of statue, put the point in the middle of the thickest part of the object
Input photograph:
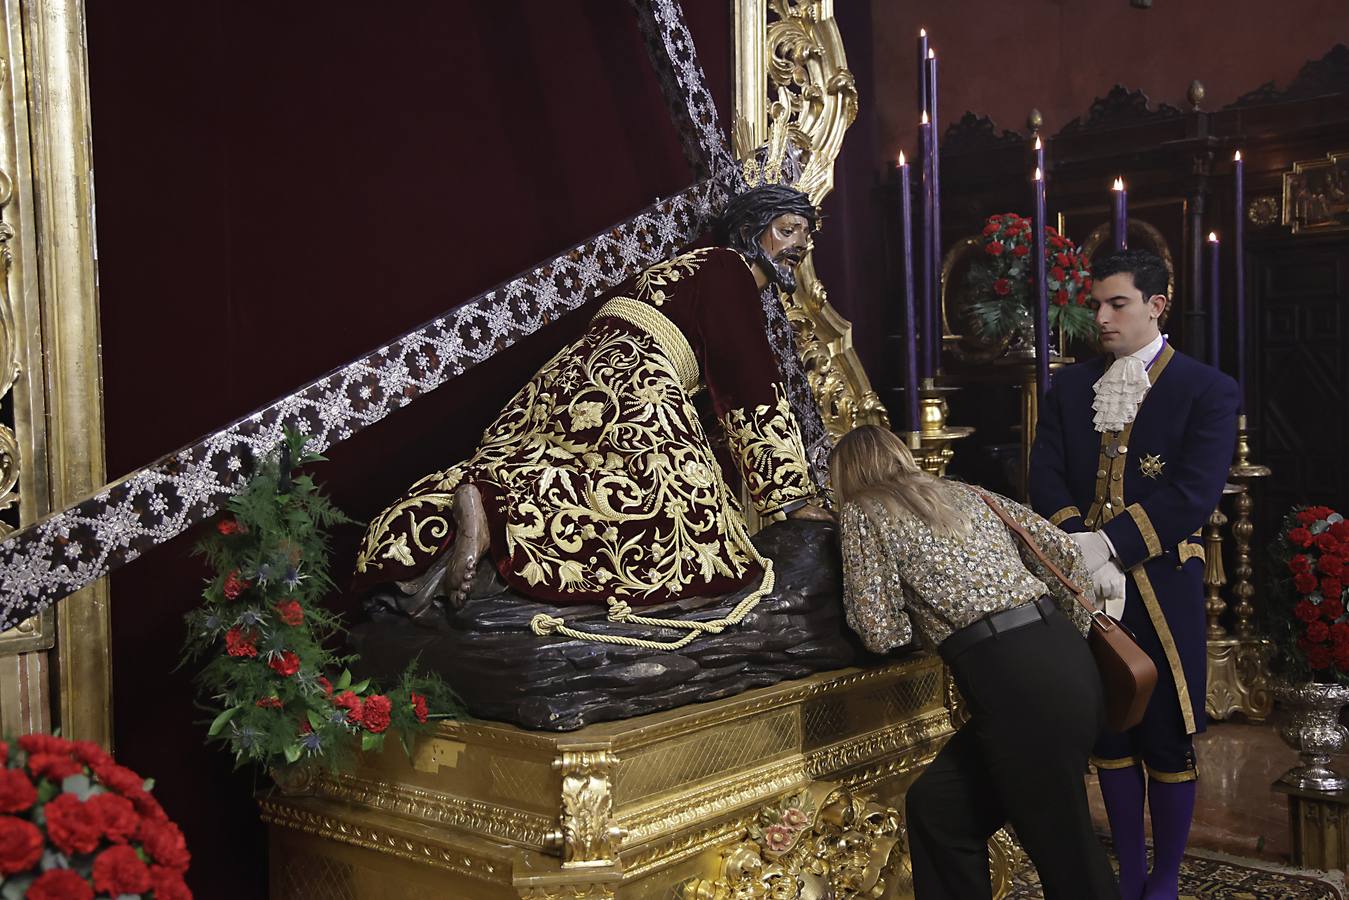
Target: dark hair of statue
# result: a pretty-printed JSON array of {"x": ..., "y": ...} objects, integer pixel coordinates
[
  {"x": 1147, "y": 268},
  {"x": 749, "y": 213}
]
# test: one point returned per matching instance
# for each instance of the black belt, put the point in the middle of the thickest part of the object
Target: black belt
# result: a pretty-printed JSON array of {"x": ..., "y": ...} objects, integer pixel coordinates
[{"x": 994, "y": 624}]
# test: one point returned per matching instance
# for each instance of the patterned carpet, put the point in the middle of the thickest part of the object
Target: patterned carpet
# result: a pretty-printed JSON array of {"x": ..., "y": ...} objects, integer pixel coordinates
[{"x": 1204, "y": 875}]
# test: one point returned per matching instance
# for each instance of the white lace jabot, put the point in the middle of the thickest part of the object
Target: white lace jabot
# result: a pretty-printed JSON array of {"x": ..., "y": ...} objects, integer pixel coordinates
[{"x": 1123, "y": 386}]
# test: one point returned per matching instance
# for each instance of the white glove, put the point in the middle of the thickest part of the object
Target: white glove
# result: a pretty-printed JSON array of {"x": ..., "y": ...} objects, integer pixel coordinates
[
  {"x": 1109, "y": 582},
  {"x": 1095, "y": 548}
]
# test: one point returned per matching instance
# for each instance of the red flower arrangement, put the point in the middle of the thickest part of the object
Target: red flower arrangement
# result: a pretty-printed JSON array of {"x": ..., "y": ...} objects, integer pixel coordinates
[
  {"x": 1005, "y": 277},
  {"x": 73, "y": 824},
  {"x": 1309, "y": 622}
]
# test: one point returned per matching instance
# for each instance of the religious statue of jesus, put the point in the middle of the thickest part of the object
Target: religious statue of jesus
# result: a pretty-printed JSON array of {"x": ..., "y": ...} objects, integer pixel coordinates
[{"x": 596, "y": 483}]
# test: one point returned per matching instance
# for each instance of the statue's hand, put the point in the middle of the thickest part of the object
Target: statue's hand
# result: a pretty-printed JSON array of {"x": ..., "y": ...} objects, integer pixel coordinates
[{"x": 812, "y": 512}]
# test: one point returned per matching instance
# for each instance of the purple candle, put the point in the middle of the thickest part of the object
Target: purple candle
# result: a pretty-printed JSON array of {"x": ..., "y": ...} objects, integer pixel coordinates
[
  {"x": 911, "y": 421},
  {"x": 1041, "y": 284},
  {"x": 1214, "y": 356},
  {"x": 1239, "y": 251},
  {"x": 935, "y": 224},
  {"x": 928, "y": 254},
  {"x": 922, "y": 74},
  {"x": 1120, "y": 228}
]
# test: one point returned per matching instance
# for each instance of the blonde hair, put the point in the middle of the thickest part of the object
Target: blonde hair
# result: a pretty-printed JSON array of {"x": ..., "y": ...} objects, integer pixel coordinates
[{"x": 873, "y": 464}]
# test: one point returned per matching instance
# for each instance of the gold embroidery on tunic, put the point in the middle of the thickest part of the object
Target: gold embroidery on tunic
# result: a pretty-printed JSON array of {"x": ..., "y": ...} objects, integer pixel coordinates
[
  {"x": 768, "y": 445},
  {"x": 651, "y": 282}
]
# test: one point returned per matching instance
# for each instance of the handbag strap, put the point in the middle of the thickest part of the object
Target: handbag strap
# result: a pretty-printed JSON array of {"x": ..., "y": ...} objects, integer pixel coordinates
[{"x": 1029, "y": 541}]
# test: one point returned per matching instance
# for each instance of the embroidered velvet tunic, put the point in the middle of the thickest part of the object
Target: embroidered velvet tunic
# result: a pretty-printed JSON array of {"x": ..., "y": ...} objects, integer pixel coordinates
[
  {"x": 901, "y": 578},
  {"x": 598, "y": 480}
]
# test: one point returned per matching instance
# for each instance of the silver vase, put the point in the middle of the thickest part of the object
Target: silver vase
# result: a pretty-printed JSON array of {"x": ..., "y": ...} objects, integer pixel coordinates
[{"x": 1313, "y": 729}]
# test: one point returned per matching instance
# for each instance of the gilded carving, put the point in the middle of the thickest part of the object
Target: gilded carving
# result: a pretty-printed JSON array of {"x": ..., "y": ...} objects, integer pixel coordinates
[
  {"x": 821, "y": 842},
  {"x": 569, "y": 892},
  {"x": 587, "y": 836},
  {"x": 1316, "y": 195}
]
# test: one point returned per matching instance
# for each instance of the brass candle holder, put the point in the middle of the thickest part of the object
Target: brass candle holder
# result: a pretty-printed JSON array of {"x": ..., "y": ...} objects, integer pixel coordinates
[
  {"x": 931, "y": 443},
  {"x": 1238, "y": 662}
]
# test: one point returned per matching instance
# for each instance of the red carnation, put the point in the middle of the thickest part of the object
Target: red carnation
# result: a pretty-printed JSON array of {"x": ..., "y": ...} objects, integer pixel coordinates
[
  {"x": 991, "y": 228},
  {"x": 1318, "y": 657},
  {"x": 419, "y": 707},
  {"x": 375, "y": 713},
  {"x": 286, "y": 664},
  {"x": 72, "y": 826},
  {"x": 993, "y": 248},
  {"x": 1061, "y": 259},
  {"x": 1020, "y": 250},
  {"x": 118, "y": 870},
  {"x": 165, "y": 844},
  {"x": 1318, "y": 631},
  {"x": 1331, "y": 588},
  {"x": 234, "y": 585},
  {"x": 1322, "y": 512},
  {"x": 118, "y": 816},
  {"x": 352, "y": 704},
  {"x": 1300, "y": 536},
  {"x": 1306, "y": 612},
  {"x": 228, "y": 526},
  {"x": 1305, "y": 583},
  {"x": 20, "y": 845},
  {"x": 240, "y": 642},
  {"x": 1339, "y": 633},
  {"x": 1330, "y": 565},
  {"x": 168, "y": 884},
  {"x": 290, "y": 612},
  {"x": 60, "y": 884},
  {"x": 1086, "y": 284},
  {"x": 1057, "y": 273},
  {"x": 326, "y": 685},
  {"x": 54, "y": 766},
  {"x": 89, "y": 753},
  {"x": 269, "y": 703},
  {"x": 1307, "y": 516},
  {"x": 119, "y": 778},
  {"x": 4, "y": 753},
  {"x": 1060, "y": 297},
  {"x": 1002, "y": 287},
  {"x": 1341, "y": 531},
  {"x": 1299, "y": 564},
  {"x": 16, "y": 791},
  {"x": 43, "y": 743},
  {"x": 1326, "y": 543}
]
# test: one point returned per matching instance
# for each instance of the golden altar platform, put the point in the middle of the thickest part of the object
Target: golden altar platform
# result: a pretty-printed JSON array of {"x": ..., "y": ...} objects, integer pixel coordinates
[{"x": 686, "y": 803}]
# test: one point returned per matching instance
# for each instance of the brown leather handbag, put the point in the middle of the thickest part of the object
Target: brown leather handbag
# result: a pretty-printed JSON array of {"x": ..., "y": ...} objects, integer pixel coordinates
[{"x": 1127, "y": 673}]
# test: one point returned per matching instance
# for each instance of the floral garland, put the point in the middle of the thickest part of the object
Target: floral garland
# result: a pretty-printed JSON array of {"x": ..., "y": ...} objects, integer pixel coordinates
[
  {"x": 1005, "y": 276},
  {"x": 1308, "y": 623},
  {"x": 279, "y": 696},
  {"x": 74, "y": 823}
]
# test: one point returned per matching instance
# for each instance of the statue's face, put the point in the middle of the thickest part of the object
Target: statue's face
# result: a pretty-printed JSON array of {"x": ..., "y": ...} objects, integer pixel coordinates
[{"x": 782, "y": 246}]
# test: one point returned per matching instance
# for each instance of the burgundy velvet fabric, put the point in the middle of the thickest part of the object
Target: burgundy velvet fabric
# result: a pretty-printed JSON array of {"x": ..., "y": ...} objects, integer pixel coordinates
[{"x": 282, "y": 187}]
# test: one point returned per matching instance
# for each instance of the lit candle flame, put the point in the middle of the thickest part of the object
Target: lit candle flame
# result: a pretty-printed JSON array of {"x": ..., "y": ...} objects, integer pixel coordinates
[
  {"x": 901, "y": 159},
  {"x": 1039, "y": 176},
  {"x": 1237, "y": 156},
  {"x": 923, "y": 121},
  {"x": 1213, "y": 236},
  {"x": 922, "y": 32},
  {"x": 931, "y": 54},
  {"x": 1038, "y": 145},
  {"x": 1119, "y": 184}
]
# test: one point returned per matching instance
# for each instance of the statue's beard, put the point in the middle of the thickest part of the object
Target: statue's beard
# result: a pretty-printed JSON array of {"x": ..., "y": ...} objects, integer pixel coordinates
[{"x": 778, "y": 270}]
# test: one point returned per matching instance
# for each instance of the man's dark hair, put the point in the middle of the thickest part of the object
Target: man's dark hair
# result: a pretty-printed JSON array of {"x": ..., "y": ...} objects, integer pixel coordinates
[
  {"x": 1147, "y": 268},
  {"x": 749, "y": 213}
]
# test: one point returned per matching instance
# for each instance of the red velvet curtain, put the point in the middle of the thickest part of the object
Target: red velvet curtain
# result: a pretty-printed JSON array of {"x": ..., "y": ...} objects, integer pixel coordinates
[{"x": 283, "y": 187}]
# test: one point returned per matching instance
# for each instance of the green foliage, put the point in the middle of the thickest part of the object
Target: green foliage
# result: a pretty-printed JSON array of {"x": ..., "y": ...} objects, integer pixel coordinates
[
  {"x": 1004, "y": 276},
  {"x": 277, "y": 694}
]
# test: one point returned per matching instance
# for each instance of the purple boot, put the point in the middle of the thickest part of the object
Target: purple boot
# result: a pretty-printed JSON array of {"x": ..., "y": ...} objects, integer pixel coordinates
[
  {"x": 1122, "y": 790},
  {"x": 1172, "y": 807}
]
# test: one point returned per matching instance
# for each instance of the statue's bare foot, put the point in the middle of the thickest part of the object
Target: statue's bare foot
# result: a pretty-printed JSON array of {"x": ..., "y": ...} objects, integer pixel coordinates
[{"x": 470, "y": 543}]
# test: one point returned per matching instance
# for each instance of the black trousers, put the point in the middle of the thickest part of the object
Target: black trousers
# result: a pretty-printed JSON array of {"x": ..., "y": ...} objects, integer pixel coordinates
[{"x": 1036, "y": 706}]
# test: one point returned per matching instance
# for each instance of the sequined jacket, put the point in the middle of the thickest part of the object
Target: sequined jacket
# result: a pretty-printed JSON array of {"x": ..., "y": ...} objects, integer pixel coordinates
[{"x": 899, "y": 578}]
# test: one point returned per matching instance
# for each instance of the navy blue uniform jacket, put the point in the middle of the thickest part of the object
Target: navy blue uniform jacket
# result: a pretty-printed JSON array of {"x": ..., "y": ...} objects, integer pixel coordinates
[{"x": 1150, "y": 488}]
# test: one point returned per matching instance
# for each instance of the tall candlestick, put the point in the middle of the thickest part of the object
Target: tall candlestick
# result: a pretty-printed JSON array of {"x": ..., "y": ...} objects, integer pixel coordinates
[
  {"x": 929, "y": 366},
  {"x": 1239, "y": 252},
  {"x": 934, "y": 316},
  {"x": 922, "y": 76},
  {"x": 1214, "y": 356},
  {"x": 1041, "y": 285},
  {"x": 1120, "y": 228},
  {"x": 912, "y": 421}
]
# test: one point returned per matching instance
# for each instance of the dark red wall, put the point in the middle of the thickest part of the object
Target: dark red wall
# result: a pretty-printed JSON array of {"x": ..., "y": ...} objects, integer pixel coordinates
[
  {"x": 283, "y": 187},
  {"x": 1002, "y": 59}
]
